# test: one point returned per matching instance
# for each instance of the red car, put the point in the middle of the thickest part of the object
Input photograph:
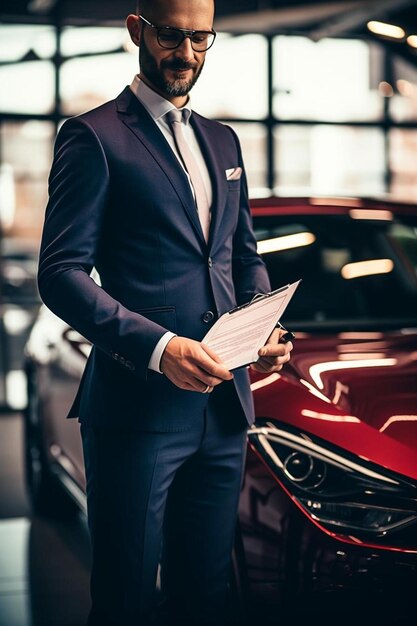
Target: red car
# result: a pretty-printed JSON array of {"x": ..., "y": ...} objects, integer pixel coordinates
[{"x": 328, "y": 512}]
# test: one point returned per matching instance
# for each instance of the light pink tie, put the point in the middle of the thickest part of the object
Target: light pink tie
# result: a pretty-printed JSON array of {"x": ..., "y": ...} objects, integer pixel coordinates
[{"x": 174, "y": 118}]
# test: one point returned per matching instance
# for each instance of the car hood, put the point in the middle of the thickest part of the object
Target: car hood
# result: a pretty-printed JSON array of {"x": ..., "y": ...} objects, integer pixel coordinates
[{"x": 356, "y": 390}]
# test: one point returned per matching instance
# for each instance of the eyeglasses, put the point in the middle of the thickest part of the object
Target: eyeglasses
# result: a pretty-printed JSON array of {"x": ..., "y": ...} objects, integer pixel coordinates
[{"x": 171, "y": 38}]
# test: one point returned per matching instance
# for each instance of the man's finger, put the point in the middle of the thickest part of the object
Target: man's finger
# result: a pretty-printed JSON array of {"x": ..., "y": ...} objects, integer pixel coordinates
[
  {"x": 205, "y": 379},
  {"x": 217, "y": 368},
  {"x": 273, "y": 350},
  {"x": 268, "y": 360},
  {"x": 211, "y": 353},
  {"x": 264, "y": 368}
]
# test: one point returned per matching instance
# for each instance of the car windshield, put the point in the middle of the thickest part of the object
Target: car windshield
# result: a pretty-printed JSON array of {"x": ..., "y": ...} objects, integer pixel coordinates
[{"x": 355, "y": 272}]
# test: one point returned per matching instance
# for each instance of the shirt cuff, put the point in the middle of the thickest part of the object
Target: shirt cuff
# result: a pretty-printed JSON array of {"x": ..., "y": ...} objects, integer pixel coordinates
[{"x": 155, "y": 360}]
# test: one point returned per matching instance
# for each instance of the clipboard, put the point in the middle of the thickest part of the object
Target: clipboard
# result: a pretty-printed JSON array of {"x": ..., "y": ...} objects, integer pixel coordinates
[{"x": 238, "y": 334}]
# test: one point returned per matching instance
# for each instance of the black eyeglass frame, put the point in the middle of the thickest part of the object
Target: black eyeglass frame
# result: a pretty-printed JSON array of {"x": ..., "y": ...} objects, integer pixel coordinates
[{"x": 184, "y": 32}]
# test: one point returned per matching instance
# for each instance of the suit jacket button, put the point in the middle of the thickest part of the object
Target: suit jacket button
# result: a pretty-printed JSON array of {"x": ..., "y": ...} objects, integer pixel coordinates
[
  {"x": 210, "y": 263},
  {"x": 208, "y": 317},
  {"x": 130, "y": 365}
]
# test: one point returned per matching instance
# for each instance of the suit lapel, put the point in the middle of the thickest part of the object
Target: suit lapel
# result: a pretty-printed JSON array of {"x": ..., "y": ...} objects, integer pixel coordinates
[
  {"x": 218, "y": 178},
  {"x": 134, "y": 115}
]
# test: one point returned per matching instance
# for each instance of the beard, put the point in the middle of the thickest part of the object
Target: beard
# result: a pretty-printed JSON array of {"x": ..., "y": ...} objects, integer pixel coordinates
[{"x": 172, "y": 88}]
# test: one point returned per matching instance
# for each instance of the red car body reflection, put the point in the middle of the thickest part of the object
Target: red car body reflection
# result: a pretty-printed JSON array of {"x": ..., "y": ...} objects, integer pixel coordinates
[
  {"x": 359, "y": 392},
  {"x": 328, "y": 513}
]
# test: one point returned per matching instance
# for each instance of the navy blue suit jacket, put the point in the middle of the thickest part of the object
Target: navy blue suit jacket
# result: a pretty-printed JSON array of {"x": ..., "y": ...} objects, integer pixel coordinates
[{"x": 120, "y": 201}]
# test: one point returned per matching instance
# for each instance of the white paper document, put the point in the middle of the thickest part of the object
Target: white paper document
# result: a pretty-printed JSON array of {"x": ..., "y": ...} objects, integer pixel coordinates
[{"x": 237, "y": 335}]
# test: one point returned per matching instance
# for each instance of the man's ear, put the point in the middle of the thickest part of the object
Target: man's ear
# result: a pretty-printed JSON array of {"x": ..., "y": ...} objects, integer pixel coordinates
[{"x": 133, "y": 25}]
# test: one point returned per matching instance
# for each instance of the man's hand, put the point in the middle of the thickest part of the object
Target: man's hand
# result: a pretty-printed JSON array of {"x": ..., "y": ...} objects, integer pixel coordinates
[
  {"x": 192, "y": 365},
  {"x": 274, "y": 354}
]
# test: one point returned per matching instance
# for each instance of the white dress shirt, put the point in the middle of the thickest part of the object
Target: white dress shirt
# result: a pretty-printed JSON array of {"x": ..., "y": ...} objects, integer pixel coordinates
[{"x": 158, "y": 107}]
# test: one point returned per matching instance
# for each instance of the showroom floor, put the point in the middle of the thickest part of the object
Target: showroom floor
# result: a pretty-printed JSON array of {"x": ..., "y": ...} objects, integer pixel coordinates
[{"x": 44, "y": 567}]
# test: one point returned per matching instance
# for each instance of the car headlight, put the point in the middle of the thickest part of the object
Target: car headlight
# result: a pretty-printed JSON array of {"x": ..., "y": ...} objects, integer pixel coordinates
[{"x": 342, "y": 493}]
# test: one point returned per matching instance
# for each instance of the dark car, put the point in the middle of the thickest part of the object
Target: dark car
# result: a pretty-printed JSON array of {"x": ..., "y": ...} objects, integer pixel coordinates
[
  {"x": 19, "y": 304},
  {"x": 328, "y": 512}
]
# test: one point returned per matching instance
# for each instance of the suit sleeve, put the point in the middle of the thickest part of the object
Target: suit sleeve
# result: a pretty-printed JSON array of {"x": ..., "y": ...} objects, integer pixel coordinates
[
  {"x": 78, "y": 195},
  {"x": 250, "y": 275}
]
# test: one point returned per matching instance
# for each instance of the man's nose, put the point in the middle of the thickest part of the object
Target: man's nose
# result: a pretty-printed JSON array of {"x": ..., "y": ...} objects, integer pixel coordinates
[{"x": 185, "y": 50}]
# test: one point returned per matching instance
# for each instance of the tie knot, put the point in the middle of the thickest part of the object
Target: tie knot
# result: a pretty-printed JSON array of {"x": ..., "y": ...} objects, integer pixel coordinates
[{"x": 175, "y": 115}]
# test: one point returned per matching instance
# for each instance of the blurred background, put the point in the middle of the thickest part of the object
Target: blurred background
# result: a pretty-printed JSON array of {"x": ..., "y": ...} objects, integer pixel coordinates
[{"x": 322, "y": 94}]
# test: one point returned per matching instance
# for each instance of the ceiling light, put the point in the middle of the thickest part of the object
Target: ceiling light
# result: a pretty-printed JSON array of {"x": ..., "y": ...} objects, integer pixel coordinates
[
  {"x": 326, "y": 201},
  {"x": 367, "y": 268},
  {"x": 287, "y": 242},
  {"x": 405, "y": 88},
  {"x": 386, "y": 30},
  {"x": 412, "y": 41},
  {"x": 385, "y": 89},
  {"x": 371, "y": 214},
  {"x": 41, "y": 6}
]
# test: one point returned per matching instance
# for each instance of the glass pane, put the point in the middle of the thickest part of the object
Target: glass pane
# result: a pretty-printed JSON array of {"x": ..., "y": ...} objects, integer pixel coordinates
[
  {"x": 253, "y": 141},
  {"x": 348, "y": 265},
  {"x": 402, "y": 155},
  {"x": 327, "y": 80},
  {"x": 405, "y": 238},
  {"x": 26, "y": 155},
  {"x": 17, "y": 41},
  {"x": 329, "y": 160},
  {"x": 88, "y": 82},
  {"x": 27, "y": 87},
  {"x": 403, "y": 104},
  {"x": 293, "y": 159},
  {"x": 81, "y": 40},
  {"x": 234, "y": 80}
]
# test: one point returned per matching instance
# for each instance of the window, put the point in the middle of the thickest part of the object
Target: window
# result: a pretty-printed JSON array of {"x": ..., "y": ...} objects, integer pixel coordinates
[
  {"x": 235, "y": 79},
  {"x": 88, "y": 82},
  {"x": 27, "y": 87},
  {"x": 26, "y": 155},
  {"x": 17, "y": 42},
  {"x": 403, "y": 104},
  {"x": 328, "y": 80},
  {"x": 404, "y": 238},
  {"x": 253, "y": 141},
  {"x": 403, "y": 163},
  {"x": 26, "y": 75},
  {"x": 347, "y": 265},
  {"x": 76, "y": 41},
  {"x": 329, "y": 160}
]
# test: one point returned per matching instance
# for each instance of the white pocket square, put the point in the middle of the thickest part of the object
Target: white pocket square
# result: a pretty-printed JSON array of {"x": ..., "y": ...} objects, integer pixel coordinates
[{"x": 234, "y": 173}]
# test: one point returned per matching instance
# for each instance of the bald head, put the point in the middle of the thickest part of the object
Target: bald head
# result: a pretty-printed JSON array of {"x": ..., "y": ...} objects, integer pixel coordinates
[{"x": 151, "y": 7}]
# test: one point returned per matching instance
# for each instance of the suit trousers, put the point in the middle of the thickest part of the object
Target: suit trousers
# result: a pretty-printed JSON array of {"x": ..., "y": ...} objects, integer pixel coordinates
[{"x": 169, "y": 499}]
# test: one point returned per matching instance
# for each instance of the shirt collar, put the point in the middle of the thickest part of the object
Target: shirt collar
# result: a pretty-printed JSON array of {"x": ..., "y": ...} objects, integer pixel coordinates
[{"x": 156, "y": 105}]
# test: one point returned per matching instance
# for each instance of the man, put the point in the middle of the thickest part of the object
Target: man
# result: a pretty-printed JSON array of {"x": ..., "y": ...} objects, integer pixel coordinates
[{"x": 157, "y": 202}]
